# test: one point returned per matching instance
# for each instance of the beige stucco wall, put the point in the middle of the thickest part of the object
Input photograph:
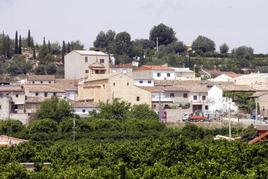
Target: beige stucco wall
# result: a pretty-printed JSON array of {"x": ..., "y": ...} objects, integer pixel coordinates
[
  {"x": 119, "y": 86},
  {"x": 75, "y": 64},
  {"x": 263, "y": 103}
]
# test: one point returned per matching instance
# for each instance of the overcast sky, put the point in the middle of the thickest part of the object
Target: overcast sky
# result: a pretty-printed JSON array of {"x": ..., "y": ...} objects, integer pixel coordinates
[{"x": 236, "y": 22}]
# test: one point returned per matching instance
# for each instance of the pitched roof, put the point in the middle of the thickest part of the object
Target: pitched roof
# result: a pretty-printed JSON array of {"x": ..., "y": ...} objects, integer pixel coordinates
[
  {"x": 84, "y": 104},
  {"x": 232, "y": 74},
  {"x": 105, "y": 76},
  {"x": 11, "y": 88},
  {"x": 128, "y": 65},
  {"x": 90, "y": 52},
  {"x": 66, "y": 84},
  {"x": 155, "y": 67},
  {"x": 42, "y": 88},
  {"x": 41, "y": 77}
]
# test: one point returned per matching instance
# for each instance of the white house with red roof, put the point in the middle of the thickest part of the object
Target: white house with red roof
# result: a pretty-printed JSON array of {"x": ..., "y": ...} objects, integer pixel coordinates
[{"x": 146, "y": 74}]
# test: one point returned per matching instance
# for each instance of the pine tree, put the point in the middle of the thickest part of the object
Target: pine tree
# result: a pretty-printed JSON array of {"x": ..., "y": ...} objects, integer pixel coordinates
[
  {"x": 63, "y": 51},
  {"x": 19, "y": 49},
  {"x": 29, "y": 40},
  {"x": 16, "y": 43}
]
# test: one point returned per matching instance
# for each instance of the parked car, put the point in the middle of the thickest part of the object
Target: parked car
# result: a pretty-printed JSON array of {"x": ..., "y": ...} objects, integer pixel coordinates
[{"x": 185, "y": 117}]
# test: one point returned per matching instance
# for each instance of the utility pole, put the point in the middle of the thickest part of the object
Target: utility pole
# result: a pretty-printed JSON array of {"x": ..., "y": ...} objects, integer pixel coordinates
[
  {"x": 256, "y": 110},
  {"x": 229, "y": 115}
]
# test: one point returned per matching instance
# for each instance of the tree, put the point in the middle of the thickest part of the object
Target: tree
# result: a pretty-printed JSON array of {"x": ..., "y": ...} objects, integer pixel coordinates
[
  {"x": 63, "y": 51},
  {"x": 19, "y": 50},
  {"x": 44, "y": 125},
  {"x": 29, "y": 39},
  {"x": 122, "y": 43},
  {"x": 224, "y": 48},
  {"x": 142, "y": 111},
  {"x": 34, "y": 54},
  {"x": 54, "y": 108},
  {"x": 163, "y": 33},
  {"x": 105, "y": 41},
  {"x": 19, "y": 66},
  {"x": 8, "y": 47},
  {"x": 49, "y": 47},
  {"x": 203, "y": 45},
  {"x": 76, "y": 45},
  {"x": 16, "y": 43},
  {"x": 116, "y": 110},
  {"x": 243, "y": 52}
]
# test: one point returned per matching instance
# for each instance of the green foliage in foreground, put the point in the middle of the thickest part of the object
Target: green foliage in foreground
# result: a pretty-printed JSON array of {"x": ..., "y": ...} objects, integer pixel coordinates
[{"x": 130, "y": 149}]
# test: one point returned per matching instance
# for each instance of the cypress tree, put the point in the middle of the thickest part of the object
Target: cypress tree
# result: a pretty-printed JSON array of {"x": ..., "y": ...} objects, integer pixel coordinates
[
  {"x": 44, "y": 42},
  {"x": 48, "y": 46},
  {"x": 63, "y": 51},
  {"x": 34, "y": 54},
  {"x": 29, "y": 41},
  {"x": 8, "y": 48},
  {"x": 16, "y": 43},
  {"x": 68, "y": 50},
  {"x": 4, "y": 45},
  {"x": 19, "y": 50}
]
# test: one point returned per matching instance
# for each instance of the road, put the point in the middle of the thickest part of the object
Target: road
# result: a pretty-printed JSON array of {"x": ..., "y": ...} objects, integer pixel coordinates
[{"x": 246, "y": 121}]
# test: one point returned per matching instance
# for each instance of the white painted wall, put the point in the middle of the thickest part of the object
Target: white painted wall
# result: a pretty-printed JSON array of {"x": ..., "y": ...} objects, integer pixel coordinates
[
  {"x": 5, "y": 107},
  {"x": 144, "y": 82},
  {"x": 222, "y": 78},
  {"x": 164, "y": 75},
  {"x": 83, "y": 112}
]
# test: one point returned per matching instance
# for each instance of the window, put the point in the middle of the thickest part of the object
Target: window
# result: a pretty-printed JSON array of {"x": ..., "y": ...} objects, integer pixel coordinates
[
  {"x": 49, "y": 82},
  {"x": 33, "y": 82},
  {"x": 45, "y": 94},
  {"x": 206, "y": 107},
  {"x": 158, "y": 74},
  {"x": 25, "y": 97},
  {"x": 17, "y": 95},
  {"x": 140, "y": 81},
  {"x": 114, "y": 84},
  {"x": 86, "y": 60},
  {"x": 36, "y": 94},
  {"x": 101, "y": 60},
  {"x": 149, "y": 81},
  {"x": 41, "y": 82},
  {"x": 86, "y": 71},
  {"x": 168, "y": 74},
  {"x": 195, "y": 97},
  {"x": 0, "y": 107},
  {"x": 203, "y": 98},
  {"x": 138, "y": 98},
  {"x": 83, "y": 110},
  {"x": 127, "y": 83},
  {"x": 154, "y": 106},
  {"x": 185, "y": 95},
  {"x": 171, "y": 95},
  {"x": 54, "y": 94}
]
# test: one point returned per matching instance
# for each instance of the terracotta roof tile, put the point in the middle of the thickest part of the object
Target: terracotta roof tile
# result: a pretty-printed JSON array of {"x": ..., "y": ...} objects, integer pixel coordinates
[{"x": 41, "y": 77}]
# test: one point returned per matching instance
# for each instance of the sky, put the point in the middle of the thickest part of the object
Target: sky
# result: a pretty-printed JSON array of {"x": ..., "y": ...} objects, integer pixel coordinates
[{"x": 235, "y": 22}]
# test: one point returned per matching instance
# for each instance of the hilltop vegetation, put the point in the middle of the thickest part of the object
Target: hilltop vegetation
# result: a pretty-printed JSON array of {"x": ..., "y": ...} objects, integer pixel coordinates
[{"x": 21, "y": 55}]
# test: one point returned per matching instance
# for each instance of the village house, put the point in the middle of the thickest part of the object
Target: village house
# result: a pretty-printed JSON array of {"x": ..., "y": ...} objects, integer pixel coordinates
[
  {"x": 122, "y": 68},
  {"x": 107, "y": 87},
  {"x": 146, "y": 74},
  {"x": 185, "y": 74},
  {"x": 82, "y": 63},
  {"x": 82, "y": 108},
  {"x": 261, "y": 98},
  {"x": 40, "y": 79},
  {"x": 225, "y": 77},
  {"x": 258, "y": 81},
  {"x": 12, "y": 103}
]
